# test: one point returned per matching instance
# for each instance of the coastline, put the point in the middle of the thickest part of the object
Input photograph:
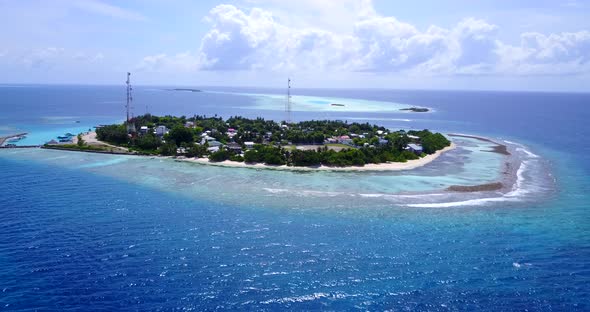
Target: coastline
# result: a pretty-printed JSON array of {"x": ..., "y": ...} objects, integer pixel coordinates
[{"x": 392, "y": 166}]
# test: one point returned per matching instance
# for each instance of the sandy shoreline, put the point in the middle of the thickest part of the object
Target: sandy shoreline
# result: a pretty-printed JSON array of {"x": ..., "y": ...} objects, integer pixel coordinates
[
  {"x": 411, "y": 164},
  {"x": 90, "y": 139}
]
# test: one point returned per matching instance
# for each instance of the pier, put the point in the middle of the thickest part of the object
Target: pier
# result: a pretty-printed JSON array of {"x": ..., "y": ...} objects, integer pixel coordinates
[
  {"x": 9, "y": 137},
  {"x": 20, "y": 146}
]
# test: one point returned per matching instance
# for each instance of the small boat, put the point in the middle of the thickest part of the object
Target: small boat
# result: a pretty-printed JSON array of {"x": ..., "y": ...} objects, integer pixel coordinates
[
  {"x": 77, "y": 121},
  {"x": 335, "y": 104},
  {"x": 16, "y": 139}
]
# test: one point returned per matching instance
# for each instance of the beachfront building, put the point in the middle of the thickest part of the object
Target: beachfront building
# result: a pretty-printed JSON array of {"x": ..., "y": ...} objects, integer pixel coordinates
[
  {"x": 234, "y": 147},
  {"x": 161, "y": 131},
  {"x": 214, "y": 143},
  {"x": 249, "y": 145},
  {"x": 345, "y": 139},
  {"x": 415, "y": 148}
]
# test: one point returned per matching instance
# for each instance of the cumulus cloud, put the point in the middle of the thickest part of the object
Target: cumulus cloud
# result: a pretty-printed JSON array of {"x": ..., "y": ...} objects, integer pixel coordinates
[
  {"x": 240, "y": 39},
  {"x": 106, "y": 9},
  {"x": 163, "y": 62},
  {"x": 43, "y": 57},
  {"x": 52, "y": 56}
]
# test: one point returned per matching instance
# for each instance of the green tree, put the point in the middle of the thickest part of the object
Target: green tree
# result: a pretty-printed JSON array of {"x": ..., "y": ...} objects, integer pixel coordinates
[
  {"x": 220, "y": 155},
  {"x": 115, "y": 134},
  {"x": 168, "y": 149},
  {"x": 180, "y": 134},
  {"x": 251, "y": 156},
  {"x": 80, "y": 141},
  {"x": 148, "y": 142}
]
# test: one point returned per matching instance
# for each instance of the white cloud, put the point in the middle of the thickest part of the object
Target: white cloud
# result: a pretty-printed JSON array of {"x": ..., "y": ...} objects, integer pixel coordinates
[
  {"x": 255, "y": 39},
  {"x": 554, "y": 54},
  {"x": 53, "y": 56},
  {"x": 85, "y": 57},
  {"x": 41, "y": 58},
  {"x": 163, "y": 62},
  {"x": 102, "y": 8}
]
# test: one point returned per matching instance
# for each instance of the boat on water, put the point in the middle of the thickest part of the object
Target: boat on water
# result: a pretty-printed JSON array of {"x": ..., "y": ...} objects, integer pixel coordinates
[
  {"x": 68, "y": 137},
  {"x": 15, "y": 139}
]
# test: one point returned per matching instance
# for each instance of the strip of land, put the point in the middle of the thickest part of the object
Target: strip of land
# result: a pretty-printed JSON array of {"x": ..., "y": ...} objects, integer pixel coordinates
[
  {"x": 391, "y": 166},
  {"x": 499, "y": 148},
  {"x": 12, "y": 136},
  {"x": 476, "y": 188}
]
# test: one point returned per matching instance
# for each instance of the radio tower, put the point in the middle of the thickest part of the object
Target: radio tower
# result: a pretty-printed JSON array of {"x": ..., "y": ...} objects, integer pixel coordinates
[
  {"x": 288, "y": 104},
  {"x": 130, "y": 125}
]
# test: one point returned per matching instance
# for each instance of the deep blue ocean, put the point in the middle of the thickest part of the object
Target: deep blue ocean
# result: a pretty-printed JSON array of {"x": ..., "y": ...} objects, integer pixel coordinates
[{"x": 71, "y": 240}]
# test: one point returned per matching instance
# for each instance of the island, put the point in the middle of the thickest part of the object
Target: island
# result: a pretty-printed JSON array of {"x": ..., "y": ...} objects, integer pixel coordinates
[
  {"x": 416, "y": 109},
  {"x": 185, "y": 90},
  {"x": 240, "y": 141}
]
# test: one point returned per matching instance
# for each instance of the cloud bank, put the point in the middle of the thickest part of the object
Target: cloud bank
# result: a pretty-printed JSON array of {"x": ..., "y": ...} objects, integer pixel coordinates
[{"x": 256, "y": 39}]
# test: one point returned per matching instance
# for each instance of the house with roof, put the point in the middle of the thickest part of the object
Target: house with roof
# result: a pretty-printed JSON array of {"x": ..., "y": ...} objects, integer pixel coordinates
[
  {"x": 415, "y": 148},
  {"x": 234, "y": 147},
  {"x": 161, "y": 131}
]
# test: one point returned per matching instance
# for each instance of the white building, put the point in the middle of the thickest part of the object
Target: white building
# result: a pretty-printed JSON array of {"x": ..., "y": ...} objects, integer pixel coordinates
[{"x": 161, "y": 130}]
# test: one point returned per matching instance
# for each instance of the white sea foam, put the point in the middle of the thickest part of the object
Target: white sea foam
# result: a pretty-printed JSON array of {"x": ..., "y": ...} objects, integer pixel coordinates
[
  {"x": 517, "y": 189},
  {"x": 302, "y": 192},
  {"x": 527, "y": 152},
  {"x": 110, "y": 162},
  {"x": 398, "y": 196},
  {"x": 470, "y": 202},
  {"x": 275, "y": 191},
  {"x": 302, "y": 298}
]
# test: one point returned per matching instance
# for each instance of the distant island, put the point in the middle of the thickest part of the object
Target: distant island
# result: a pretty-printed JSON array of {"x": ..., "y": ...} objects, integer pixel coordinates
[
  {"x": 243, "y": 141},
  {"x": 416, "y": 109},
  {"x": 185, "y": 89}
]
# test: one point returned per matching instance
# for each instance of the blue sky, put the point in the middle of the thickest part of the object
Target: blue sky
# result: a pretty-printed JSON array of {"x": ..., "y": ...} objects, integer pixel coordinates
[{"x": 420, "y": 44}]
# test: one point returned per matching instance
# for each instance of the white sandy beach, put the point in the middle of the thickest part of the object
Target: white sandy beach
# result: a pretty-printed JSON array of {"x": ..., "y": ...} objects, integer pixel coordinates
[
  {"x": 90, "y": 139},
  {"x": 393, "y": 166}
]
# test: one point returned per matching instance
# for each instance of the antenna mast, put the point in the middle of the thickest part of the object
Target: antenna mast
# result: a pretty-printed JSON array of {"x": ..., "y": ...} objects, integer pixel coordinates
[
  {"x": 129, "y": 97},
  {"x": 130, "y": 124},
  {"x": 288, "y": 104}
]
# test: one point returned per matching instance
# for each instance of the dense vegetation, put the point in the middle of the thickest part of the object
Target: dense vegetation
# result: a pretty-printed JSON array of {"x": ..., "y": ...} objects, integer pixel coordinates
[{"x": 360, "y": 143}]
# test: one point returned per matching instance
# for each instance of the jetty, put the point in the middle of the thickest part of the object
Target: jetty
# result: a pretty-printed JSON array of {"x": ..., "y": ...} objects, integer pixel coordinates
[{"x": 10, "y": 137}]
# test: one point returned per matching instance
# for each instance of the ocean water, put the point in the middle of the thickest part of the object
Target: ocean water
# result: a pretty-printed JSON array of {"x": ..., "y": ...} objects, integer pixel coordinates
[{"x": 101, "y": 232}]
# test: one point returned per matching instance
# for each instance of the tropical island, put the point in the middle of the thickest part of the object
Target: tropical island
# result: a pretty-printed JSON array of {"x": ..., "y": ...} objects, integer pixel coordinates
[
  {"x": 416, "y": 109},
  {"x": 315, "y": 143},
  {"x": 185, "y": 90}
]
